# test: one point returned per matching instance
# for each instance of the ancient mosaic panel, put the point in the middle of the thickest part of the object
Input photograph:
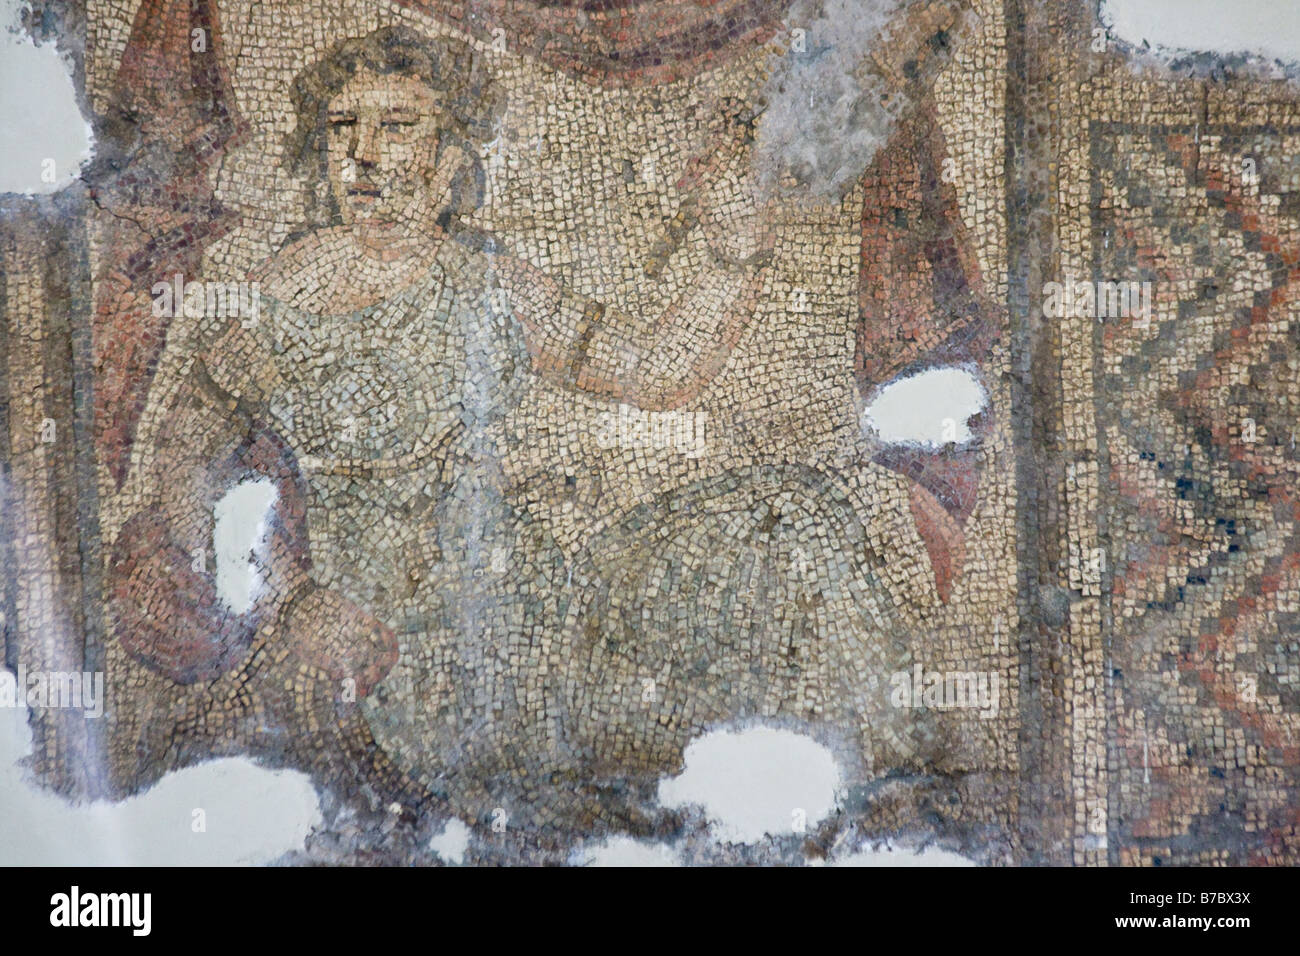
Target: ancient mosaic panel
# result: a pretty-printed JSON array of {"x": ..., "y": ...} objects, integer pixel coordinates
[{"x": 486, "y": 414}]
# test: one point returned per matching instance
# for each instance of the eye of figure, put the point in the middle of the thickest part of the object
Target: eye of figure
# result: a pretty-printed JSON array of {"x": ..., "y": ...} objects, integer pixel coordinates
[
  {"x": 400, "y": 127},
  {"x": 342, "y": 120}
]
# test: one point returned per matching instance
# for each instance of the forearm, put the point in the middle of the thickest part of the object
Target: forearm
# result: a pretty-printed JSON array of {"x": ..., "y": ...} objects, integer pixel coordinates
[
  {"x": 663, "y": 362},
  {"x": 716, "y": 247}
]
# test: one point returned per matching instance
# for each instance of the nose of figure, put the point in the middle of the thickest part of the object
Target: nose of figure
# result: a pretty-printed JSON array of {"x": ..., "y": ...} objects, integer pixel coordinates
[{"x": 365, "y": 145}]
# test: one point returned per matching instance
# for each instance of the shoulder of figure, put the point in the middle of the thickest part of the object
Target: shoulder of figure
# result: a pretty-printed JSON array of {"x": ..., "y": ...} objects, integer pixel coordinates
[
  {"x": 468, "y": 253},
  {"x": 297, "y": 272}
]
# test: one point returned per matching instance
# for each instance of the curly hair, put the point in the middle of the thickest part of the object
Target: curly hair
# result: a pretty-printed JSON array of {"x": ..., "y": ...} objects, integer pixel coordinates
[{"x": 444, "y": 64}]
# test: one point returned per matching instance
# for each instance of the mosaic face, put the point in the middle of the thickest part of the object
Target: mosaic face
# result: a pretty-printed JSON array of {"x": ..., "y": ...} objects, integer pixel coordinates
[{"x": 388, "y": 163}]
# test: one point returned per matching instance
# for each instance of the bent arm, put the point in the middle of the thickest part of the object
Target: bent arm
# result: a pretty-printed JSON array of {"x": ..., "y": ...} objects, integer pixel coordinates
[
  {"x": 162, "y": 589},
  {"x": 652, "y": 361},
  {"x": 660, "y": 361}
]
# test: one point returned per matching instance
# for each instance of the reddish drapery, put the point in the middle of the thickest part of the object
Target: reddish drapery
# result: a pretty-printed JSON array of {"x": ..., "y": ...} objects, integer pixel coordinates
[
  {"x": 618, "y": 42},
  {"x": 170, "y": 121}
]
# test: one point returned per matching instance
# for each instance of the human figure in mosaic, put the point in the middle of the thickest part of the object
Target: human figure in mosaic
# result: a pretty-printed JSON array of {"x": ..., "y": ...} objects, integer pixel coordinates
[
  {"x": 412, "y": 612},
  {"x": 368, "y": 387},
  {"x": 780, "y": 591}
]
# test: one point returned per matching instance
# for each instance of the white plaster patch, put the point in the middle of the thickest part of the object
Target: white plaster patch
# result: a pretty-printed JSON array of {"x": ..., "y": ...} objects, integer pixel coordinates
[
  {"x": 239, "y": 540},
  {"x": 889, "y": 855},
  {"x": 931, "y": 408},
  {"x": 44, "y": 139},
  {"x": 452, "y": 842},
  {"x": 755, "y": 782},
  {"x": 250, "y": 815},
  {"x": 625, "y": 851},
  {"x": 1269, "y": 28},
  {"x": 824, "y": 117}
]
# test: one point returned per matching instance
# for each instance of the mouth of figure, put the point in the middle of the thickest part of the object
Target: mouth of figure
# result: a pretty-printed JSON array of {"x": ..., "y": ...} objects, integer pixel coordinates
[{"x": 364, "y": 192}]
